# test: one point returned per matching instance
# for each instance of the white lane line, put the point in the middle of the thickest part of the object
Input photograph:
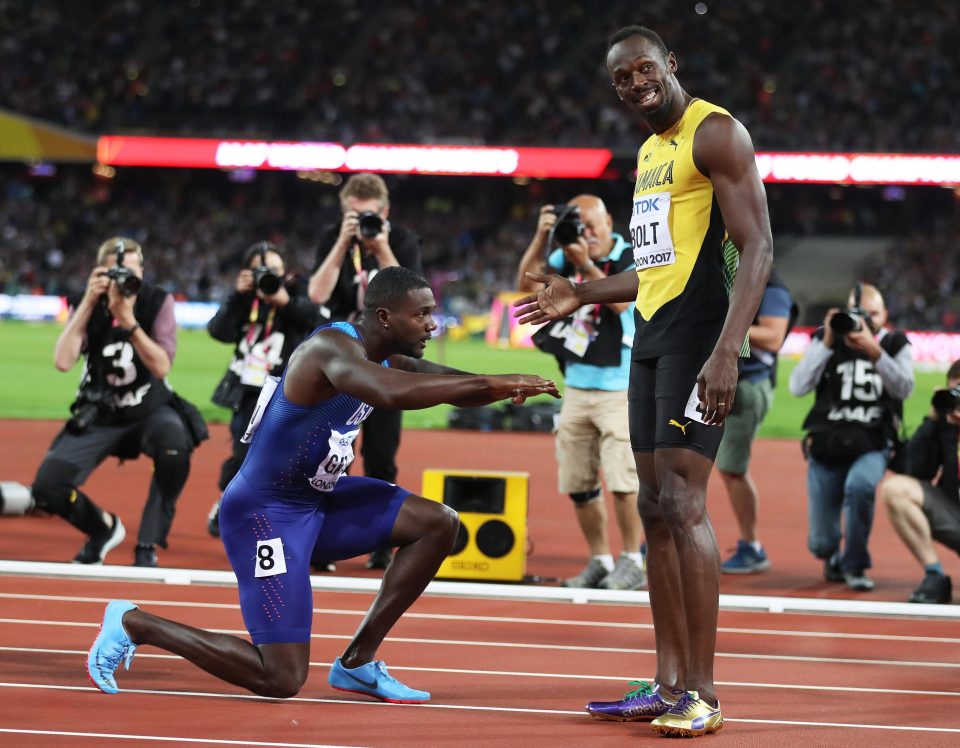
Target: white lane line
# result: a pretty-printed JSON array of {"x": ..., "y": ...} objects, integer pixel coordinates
[
  {"x": 469, "y": 707},
  {"x": 524, "y": 674},
  {"x": 512, "y": 620},
  {"x": 163, "y": 738},
  {"x": 548, "y": 647}
]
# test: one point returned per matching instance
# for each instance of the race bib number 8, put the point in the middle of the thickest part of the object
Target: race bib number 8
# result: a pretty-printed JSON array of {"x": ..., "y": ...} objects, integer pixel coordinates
[
  {"x": 270, "y": 560},
  {"x": 650, "y": 231}
]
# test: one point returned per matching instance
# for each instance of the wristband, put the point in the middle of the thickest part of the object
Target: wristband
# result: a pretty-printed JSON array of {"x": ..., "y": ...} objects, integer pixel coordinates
[
  {"x": 127, "y": 334},
  {"x": 586, "y": 267}
]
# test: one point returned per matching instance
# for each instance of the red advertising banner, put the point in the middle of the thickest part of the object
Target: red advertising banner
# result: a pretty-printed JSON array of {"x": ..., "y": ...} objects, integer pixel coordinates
[
  {"x": 208, "y": 153},
  {"x": 572, "y": 163}
]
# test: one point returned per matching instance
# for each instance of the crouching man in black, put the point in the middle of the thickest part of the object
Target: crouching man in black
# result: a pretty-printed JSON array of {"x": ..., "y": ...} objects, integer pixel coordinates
[
  {"x": 924, "y": 505},
  {"x": 126, "y": 332}
]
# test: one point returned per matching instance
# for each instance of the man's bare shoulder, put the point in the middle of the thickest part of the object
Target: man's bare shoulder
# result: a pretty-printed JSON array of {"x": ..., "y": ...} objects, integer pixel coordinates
[{"x": 722, "y": 142}]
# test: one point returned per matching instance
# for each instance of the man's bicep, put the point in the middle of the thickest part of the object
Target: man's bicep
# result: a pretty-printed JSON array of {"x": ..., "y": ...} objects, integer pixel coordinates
[{"x": 349, "y": 372}]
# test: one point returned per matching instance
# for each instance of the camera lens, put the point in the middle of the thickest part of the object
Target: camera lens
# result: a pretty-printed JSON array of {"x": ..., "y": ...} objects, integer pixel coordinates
[
  {"x": 567, "y": 231},
  {"x": 268, "y": 283},
  {"x": 844, "y": 323},
  {"x": 370, "y": 224},
  {"x": 945, "y": 402},
  {"x": 130, "y": 285}
]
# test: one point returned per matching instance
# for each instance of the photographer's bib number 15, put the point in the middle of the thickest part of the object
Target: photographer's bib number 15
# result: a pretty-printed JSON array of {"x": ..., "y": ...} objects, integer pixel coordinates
[{"x": 650, "y": 231}]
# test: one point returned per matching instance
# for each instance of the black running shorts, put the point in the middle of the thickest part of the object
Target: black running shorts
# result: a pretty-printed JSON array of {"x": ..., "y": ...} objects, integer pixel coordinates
[{"x": 657, "y": 397}]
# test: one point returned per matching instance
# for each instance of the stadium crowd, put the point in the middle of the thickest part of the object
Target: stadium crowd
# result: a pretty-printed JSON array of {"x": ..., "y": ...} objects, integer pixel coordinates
[
  {"x": 197, "y": 225},
  {"x": 430, "y": 71}
]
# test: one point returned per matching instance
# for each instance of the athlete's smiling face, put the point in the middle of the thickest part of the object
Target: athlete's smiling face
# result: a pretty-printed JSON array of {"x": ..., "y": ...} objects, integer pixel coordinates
[
  {"x": 643, "y": 76},
  {"x": 411, "y": 322}
]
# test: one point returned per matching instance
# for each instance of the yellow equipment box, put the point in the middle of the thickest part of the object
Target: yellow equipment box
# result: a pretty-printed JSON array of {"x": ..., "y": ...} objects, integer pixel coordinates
[{"x": 492, "y": 542}]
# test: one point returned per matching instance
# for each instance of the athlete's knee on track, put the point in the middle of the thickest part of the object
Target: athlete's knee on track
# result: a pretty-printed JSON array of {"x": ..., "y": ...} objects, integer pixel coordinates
[{"x": 281, "y": 683}]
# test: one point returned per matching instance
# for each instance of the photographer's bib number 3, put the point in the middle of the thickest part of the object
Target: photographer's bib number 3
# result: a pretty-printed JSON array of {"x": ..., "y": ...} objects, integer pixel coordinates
[{"x": 650, "y": 231}]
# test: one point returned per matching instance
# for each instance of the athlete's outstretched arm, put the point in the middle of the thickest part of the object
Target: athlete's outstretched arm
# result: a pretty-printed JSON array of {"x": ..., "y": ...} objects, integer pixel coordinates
[
  {"x": 331, "y": 362},
  {"x": 422, "y": 366},
  {"x": 722, "y": 150}
]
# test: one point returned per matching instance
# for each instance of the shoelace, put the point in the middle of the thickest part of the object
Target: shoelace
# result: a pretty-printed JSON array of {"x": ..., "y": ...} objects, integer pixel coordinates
[
  {"x": 684, "y": 705},
  {"x": 123, "y": 654},
  {"x": 643, "y": 688},
  {"x": 382, "y": 669}
]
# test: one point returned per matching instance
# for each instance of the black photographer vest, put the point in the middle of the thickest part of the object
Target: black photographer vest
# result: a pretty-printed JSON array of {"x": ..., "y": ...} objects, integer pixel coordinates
[
  {"x": 850, "y": 392},
  {"x": 112, "y": 363}
]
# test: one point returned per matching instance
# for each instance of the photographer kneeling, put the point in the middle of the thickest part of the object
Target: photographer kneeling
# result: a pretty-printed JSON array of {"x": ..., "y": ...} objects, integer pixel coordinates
[
  {"x": 862, "y": 373},
  {"x": 126, "y": 331},
  {"x": 266, "y": 317},
  {"x": 924, "y": 504}
]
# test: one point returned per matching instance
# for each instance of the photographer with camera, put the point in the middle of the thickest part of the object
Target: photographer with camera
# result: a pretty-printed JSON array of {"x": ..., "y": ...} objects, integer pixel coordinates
[
  {"x": 348, "y": 256},
  {"x": 924, "y": 504},
  {"x": 593, "y": 349},
  {"x": 126, "y": 332},
  {"x": 862, "y": 372},
  {"x": 266, "y": 317}
]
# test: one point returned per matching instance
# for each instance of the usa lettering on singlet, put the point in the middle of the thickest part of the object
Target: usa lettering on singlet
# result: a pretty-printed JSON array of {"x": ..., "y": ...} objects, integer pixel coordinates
[{"x": 297, "y": 448}]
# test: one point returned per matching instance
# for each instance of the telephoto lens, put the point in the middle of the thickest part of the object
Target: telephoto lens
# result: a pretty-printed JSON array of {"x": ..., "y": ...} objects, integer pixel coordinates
[
  {"x": 944, "y": 402},
  {"x": 846, "y": 322},
  {"x": 370, "y": 224},
  {"x": 568, "y": 227},
  {"x": 266, "y": 281}
]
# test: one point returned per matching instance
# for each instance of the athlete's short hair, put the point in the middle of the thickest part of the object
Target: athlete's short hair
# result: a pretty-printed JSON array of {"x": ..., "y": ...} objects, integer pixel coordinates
[
  {"x": 365, "y": 187},
  {"x": 111, "y": 245},
  {"x": 628, "y": 31},
  {"x": 391, "y": 286}
]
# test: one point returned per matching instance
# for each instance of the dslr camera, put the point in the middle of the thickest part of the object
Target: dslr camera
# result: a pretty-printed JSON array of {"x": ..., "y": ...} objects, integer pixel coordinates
[
  {"x": 266, "y": 281},
  {"x": 847, "y": 321},
  {"x": 851, "y": 319},
  {"x": 127, "y": 281},
  {"x": 944, "y": 402},
  {"x": 568, "y": 226},
  {"x": 370, "y": 224},
  {"x": 88, "y": 407}
]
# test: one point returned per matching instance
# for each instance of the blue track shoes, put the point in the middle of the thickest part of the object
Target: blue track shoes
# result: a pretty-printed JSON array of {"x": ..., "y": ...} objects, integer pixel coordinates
[
  {"x": 373, "y": 679},
  {"x": 111, "y": 647}
]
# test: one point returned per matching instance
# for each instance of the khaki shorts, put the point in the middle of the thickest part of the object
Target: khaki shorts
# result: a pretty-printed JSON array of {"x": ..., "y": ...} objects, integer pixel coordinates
[
  {"x": 594, "y": 434},
  {"x": 740, "y": 427}
]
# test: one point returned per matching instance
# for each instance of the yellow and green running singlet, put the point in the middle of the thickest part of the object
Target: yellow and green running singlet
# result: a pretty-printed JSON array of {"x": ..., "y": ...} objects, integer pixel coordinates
[{"x": 684, "y": 259}]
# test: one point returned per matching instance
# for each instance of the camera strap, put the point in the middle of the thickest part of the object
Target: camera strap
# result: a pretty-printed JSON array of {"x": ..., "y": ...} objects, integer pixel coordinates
[
  {"x": 362, "y": 277},
  {"x": 254, "y": 316}
]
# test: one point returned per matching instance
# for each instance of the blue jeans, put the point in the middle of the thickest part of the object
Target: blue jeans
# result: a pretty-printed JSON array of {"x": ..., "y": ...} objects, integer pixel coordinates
[{"x": 848, "y": 491}]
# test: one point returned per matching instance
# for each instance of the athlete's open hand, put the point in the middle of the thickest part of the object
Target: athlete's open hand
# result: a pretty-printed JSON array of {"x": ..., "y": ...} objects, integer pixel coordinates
[
  {"x": 518, "y": 387},
  {"x": 717, "y": 387},
  {"x": 556, "y": 300}
]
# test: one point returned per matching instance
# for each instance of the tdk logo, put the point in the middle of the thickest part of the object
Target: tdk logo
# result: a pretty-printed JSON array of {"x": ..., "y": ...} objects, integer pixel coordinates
[{"x": 647, "y": 205}]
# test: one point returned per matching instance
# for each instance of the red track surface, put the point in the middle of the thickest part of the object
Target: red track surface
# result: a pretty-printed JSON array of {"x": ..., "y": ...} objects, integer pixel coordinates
[{"x": 501, "y": 671}]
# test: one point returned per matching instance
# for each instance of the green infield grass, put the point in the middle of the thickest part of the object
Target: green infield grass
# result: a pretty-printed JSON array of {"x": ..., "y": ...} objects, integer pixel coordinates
[{"x": 30, "y": 386}]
